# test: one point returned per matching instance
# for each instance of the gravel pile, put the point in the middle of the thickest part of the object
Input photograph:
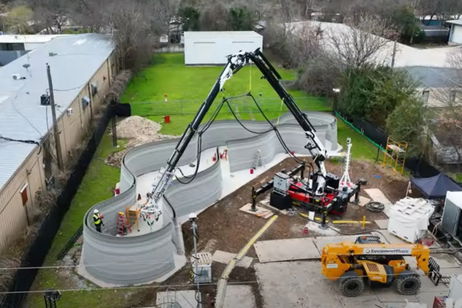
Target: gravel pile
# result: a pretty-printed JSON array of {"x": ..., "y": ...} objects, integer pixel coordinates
[{"x": 137, "y": 130}]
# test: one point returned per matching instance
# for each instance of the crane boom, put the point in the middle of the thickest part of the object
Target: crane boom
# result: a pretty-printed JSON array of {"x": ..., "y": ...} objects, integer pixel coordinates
[{"x": 234, "y": 64}]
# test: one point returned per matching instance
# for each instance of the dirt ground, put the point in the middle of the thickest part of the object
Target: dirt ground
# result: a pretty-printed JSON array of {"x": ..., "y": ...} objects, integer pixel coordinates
[{"x": 224, "y": 227}]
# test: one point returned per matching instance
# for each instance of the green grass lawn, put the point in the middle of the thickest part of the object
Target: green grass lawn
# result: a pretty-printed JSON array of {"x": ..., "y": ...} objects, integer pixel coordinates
[
  {"x": 187, "y": 86},
  {"x": 361, "y": 147},
  {"x": 97, "y": 185}
]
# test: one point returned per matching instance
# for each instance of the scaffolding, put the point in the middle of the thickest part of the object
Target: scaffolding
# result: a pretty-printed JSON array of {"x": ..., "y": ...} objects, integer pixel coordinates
[{"x": 395, "y": 155}]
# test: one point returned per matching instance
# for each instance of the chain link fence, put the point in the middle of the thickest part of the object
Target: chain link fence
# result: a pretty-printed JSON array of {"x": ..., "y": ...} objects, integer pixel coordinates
[{"x": 240, "y": 105}]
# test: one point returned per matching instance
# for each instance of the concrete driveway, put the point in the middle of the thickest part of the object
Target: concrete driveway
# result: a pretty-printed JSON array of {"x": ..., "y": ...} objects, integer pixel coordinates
[{"x": 301, "y": 284}]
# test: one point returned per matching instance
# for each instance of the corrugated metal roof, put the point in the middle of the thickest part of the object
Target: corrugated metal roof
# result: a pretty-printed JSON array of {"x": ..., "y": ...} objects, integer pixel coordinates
[{"x": 73, "y": 60}]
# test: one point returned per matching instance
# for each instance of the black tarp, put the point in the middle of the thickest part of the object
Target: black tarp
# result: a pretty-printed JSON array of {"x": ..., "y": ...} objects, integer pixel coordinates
[{"x": 436, "y": 186}]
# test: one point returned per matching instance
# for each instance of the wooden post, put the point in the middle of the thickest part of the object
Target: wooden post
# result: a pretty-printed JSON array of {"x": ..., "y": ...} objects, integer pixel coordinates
[{"x": 55, "y": 123}]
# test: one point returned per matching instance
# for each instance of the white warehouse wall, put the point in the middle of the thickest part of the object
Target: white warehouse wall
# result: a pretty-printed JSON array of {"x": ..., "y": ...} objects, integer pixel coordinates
[
  {"x": 455, "y": 35},
  {"x": 213, "y": 47}
]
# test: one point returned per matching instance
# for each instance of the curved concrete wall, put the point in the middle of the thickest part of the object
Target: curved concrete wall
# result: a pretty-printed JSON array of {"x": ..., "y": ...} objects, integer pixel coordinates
[{"x": 147, "y": 257}]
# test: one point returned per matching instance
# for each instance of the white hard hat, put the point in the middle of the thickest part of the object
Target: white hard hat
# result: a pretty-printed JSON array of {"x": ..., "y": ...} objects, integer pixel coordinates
[{"x": 95, "y": 211}]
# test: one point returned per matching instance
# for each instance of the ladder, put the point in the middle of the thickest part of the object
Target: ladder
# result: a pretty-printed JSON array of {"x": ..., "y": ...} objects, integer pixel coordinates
[{"x": 122, "y": 225}]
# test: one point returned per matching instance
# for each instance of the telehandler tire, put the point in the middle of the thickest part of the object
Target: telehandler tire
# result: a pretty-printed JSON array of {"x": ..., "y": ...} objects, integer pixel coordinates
[
  {"x": 408, "y": 283},
  {"x": 351, "y": 284}
]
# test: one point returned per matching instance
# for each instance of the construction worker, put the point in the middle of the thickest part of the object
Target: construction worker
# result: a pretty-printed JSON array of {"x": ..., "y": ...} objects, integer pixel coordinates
[{"x": 97, "y": 220}]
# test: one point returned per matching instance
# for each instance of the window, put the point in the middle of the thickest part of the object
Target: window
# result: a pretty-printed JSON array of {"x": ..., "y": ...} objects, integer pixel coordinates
[{"x": 24, "y": 194}]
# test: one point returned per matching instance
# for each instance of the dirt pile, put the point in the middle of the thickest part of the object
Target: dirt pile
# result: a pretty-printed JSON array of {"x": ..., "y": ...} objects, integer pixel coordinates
[{"x": 137, "y": 130}]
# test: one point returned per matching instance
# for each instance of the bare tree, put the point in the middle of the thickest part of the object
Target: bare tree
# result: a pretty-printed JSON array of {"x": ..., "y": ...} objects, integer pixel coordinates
[
  {"x": 214, "y": 17},
  {"x": 360, "y": 45},
  {"x": 304, "y": 43},
  {"x": 443, "y": 9},
  {"x": 50, "y": 15}
]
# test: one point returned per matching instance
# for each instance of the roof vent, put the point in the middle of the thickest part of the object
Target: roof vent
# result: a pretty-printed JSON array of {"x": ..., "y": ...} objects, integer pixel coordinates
[{"x": 18, "y": 77}]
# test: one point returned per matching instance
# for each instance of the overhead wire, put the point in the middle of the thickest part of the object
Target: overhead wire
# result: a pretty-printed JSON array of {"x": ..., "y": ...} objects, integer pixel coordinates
[
  {"x": 212, "y": 119},
  {"x": 20, "y": 140},
  {"x": 276, "y": 130},
  {"x": 419, "y": 274},
  {"x": 127, "y": 287},
  {"x": 242, "y": 124}
]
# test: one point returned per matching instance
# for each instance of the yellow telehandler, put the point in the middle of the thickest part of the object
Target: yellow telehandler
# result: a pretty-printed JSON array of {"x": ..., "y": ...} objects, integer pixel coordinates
[{"x": 368, "y": 259}]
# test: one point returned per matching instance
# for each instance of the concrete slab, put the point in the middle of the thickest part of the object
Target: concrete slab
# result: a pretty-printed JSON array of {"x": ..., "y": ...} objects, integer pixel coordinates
[
  {"x": 285, "y": 250},
  {"x": 259, "y": 211},
  {"x": 316, "y": 228},
  {"x": 295, "y": 284},
  {"x": 301, "y": 284},
  {"x": 377, "y": 195},
  {"x": 224, "y": 257},
  {"x": 239, "y": 296},
  {"x": 445, "y": 260},
  {"x": 180, "y": 298},
  {"x": 385, "y": 294},
  {"x": 392, "y": 239},
  {"x": 382, "y": 223},
  {"x": 363, "y": 201},
  {"x": 451, "y": 271}
]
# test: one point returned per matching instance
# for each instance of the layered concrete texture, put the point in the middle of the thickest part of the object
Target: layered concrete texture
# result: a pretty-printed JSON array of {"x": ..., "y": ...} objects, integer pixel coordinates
[{"x": 157, "y": 251}]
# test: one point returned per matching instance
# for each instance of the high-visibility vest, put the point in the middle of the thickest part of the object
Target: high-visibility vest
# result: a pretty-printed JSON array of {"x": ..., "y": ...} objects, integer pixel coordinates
[{"x": 96, "y": 219}]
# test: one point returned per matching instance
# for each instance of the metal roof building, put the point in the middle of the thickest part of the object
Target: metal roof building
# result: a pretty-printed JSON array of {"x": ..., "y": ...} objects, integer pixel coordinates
[
  {"x": 82, "y": 67},
  {"x": 73, "y": 61}
]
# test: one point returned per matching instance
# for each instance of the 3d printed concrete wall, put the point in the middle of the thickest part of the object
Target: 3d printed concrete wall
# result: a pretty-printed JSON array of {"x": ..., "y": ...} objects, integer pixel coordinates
[{"x": 108, "y": 259}]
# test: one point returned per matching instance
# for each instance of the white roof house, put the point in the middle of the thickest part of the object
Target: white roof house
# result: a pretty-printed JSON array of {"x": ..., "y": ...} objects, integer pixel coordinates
[
  {"x": 431, "y": 68},
  {"x": 213, "y": 47},
  {"x": 30, "y": 40},
  {"x": 406, "y": 56},
  {"x": 455, "y": 34},
  {"x": 73, "y": 59},
  {"x": 13, "y": 46}
]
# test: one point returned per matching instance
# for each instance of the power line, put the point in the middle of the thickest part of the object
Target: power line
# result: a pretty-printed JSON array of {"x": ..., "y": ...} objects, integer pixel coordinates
[
  {"x": 236, "y": 282},
  {"x": 20, "y": 140},
  {"x": 76, "y": 266}
]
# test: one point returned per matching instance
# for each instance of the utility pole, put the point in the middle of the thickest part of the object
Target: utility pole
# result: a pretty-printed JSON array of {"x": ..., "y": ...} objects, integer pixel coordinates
[
  {"x": 394, "y": 54},
  {"x": 55, "y": 122},
  {"x": 193, "y": 219}
]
